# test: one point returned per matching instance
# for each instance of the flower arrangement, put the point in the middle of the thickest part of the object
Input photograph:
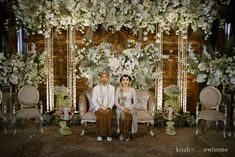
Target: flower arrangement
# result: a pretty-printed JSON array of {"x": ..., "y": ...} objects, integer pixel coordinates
[
  {"x": 66, "y": 113},
  {"x": 21, "y": 69},
  {"x": 169, "y": 113},
  {"x": 211, "y": 68},
  {"x": 169, "y": 109},
  {"x": 138, "y": 62},
  {"x": 61, "y": 90},
  {"x": 40, "y": 15}
]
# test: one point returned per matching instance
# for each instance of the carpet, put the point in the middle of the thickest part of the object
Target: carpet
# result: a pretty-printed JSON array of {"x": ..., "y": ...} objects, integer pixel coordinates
[{"x": 52, "y": 144}]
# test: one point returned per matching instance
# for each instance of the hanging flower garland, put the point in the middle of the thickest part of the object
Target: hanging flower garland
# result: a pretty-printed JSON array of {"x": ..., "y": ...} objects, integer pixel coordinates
[
  {"x": 140, "y": 63},
  {"x": 42, "y": 15}
]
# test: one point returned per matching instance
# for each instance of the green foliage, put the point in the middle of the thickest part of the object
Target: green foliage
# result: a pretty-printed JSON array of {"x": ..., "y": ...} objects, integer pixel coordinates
[
  {"x": 51, "y": 118},
  {"x": 181, "y": 120}
]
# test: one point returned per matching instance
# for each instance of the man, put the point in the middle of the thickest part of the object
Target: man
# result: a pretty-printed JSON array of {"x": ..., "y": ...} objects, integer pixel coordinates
[{"x": 103, "y": 101}]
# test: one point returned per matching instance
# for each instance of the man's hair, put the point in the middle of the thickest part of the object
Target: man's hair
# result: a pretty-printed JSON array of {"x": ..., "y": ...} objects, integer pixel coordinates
[{"x": 104, "y": 72}]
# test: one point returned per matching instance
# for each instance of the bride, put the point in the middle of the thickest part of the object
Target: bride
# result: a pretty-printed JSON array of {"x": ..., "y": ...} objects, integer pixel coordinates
[{"x": 125, "y": 101}]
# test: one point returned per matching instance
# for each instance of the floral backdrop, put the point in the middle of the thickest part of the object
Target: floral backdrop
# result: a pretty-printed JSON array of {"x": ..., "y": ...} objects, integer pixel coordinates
[
  {"x": 211, "y": 68},
  {"x": 42, "y": 15},
  {"x": 135, "y": 61},
  {"x": 20, "y": 69}
]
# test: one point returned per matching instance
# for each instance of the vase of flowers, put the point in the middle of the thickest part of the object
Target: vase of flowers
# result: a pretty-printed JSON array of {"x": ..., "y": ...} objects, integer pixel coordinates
[
  {"x": 60, "y": 92},
  {"x": 66, "y": 113},
  {"x": 170, "y": 107}
]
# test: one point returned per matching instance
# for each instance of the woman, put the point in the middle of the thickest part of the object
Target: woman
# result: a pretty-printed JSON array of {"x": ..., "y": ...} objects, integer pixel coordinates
[{"x": 125, "y": 101}]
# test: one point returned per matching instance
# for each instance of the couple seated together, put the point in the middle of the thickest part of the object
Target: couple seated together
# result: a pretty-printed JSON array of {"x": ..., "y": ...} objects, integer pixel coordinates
[{"x": 104, "y": 97}]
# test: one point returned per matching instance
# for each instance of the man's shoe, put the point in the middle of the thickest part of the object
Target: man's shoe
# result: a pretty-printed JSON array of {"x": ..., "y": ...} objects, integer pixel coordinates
[
  {"x": 109, "y": 139},
  {"x": 99, "y": 138}
]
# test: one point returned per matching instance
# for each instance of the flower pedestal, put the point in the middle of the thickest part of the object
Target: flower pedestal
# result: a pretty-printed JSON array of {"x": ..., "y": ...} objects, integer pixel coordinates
[
  {"x": 66, "y": 114},
  {"x": 170, "y": 130},
  {"x": 64, "y": 129}
]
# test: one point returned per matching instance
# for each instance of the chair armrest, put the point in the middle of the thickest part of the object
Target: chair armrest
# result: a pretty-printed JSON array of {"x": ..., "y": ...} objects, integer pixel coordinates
[
  {"x": 198, "y": 108},
  {"x": 151, "y": 104},
  {"x": 41, "y": 107},
  {"x": 83, "y": 104}
]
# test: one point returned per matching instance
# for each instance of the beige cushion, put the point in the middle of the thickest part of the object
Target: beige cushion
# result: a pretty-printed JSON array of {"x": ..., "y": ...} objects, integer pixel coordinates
[
  {"x": 28, "y": 96},
  {"x": 27, "y": 113},
  {"x": 211, "y": 115},
  {"x": 144, "y": 115},
  {"x": 89, "y": 116},
  {"x": 206, "y": 96},
  {"x": 142, "y": 100}
]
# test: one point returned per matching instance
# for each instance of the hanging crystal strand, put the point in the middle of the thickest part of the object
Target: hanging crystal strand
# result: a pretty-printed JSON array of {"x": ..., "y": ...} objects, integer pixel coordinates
[
  {"x": 71, "y": 76},
  {"x": 48, "y": 43},
  {"x": 182, "y": 75},
  {"x": 159, "y": 79}
]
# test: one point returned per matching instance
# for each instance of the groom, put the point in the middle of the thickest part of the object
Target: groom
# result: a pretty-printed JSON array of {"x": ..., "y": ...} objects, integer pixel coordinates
[{"x": 103, "y": 101}]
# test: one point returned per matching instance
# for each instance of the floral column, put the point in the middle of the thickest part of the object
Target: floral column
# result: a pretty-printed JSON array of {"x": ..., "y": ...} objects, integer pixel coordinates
[
  {"x": 159, "y": 79},
  {"x": 71, "y": 76}
]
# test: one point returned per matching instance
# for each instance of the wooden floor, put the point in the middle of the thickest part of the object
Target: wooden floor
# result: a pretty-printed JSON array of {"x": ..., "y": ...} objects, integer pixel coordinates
[{"x": 30, "y": 143}]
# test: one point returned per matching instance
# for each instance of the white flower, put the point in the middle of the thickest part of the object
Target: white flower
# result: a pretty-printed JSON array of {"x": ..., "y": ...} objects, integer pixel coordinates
[
  {"x": 202, "y": 66},
  {"x": 137, "y": 62},
  {"x": 201, "y": 78}
]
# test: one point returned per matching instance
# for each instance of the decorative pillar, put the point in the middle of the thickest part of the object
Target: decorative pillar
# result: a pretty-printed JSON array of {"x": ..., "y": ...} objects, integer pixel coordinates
[
  {"x": 50, "y": 68},
  {"x": 182, "y": 74},
  {"x": 71, "y": 69},
  {"x": 159, "y": 69}
]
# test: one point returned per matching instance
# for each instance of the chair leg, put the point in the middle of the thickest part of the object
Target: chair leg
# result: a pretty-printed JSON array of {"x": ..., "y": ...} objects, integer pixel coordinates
[
  {"x": 40, "y": 124},
  {"x": 150, "y": 126},
  {"x": 14, "y": 125},
  {"x": 224, "y": 131},
  {"x": 196, "y": 127},
  {"x": 5, "y": 125},
  {"x": 151, "y": 129},
  {"x": 83, "y": 128},
  {"x": 216, "y": 125}
]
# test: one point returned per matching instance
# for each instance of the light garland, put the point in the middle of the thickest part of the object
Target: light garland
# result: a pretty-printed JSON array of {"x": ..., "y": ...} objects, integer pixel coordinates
[
  {"x": 50, "y": 77},
  {"x": 159, "y": 80},
  {"x": 182, "y": 75}
]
